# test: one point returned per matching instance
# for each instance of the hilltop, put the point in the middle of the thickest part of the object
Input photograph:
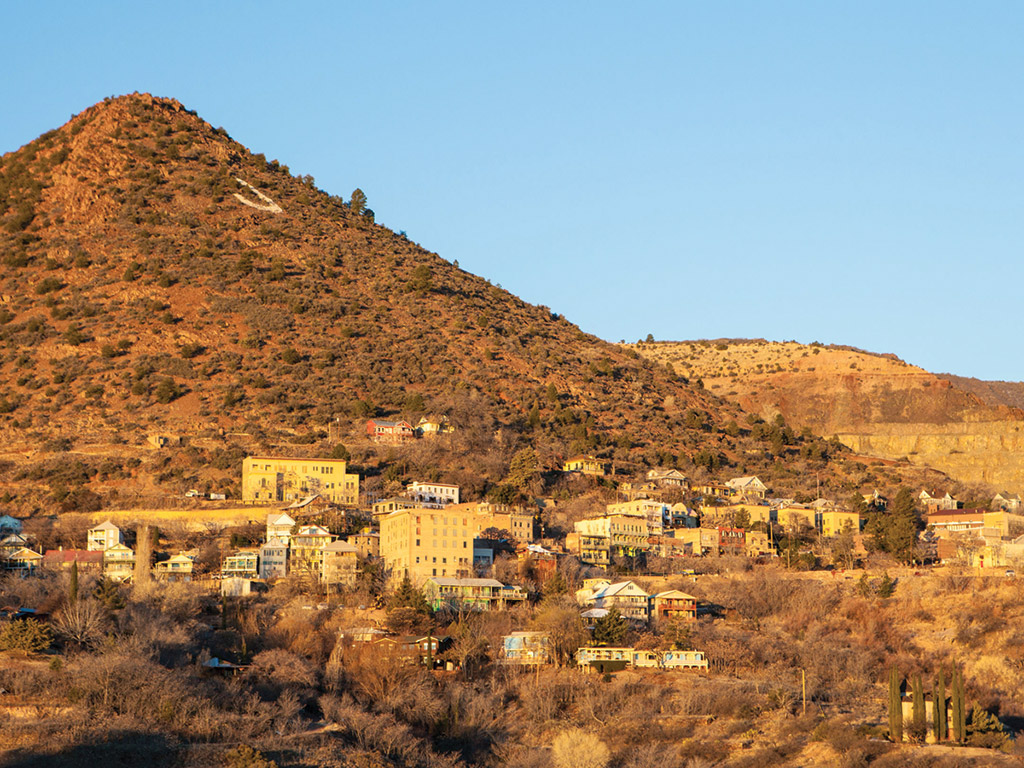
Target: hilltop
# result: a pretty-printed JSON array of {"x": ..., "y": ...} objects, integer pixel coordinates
[{"x": 876, "y": 404}]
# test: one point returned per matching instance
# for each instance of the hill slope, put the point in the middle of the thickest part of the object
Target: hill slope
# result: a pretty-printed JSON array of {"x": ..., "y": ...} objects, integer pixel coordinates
[
  {"x": 159, "y": 278},
  {"x": 877, "y": 405}
]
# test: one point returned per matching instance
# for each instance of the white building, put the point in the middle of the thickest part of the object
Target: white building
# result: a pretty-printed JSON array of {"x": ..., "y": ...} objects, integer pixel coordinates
[
  {"x": 433, "y": 494},
  {"x": 104, "y": 536},
  {"x": 279, "y": 526},
  {"x": 274, "y": 559}
]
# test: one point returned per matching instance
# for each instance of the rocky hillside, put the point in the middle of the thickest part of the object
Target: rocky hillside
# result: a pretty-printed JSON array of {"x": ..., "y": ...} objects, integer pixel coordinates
[
  {"x": 158, "y": 278},
  {"x": 877, "y": 405}
]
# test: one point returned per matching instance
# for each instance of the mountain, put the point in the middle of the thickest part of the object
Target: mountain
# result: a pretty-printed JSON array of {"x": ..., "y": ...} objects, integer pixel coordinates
[
  {"x": 876, "y": 404},
  {"x": 160, "y": 280}
]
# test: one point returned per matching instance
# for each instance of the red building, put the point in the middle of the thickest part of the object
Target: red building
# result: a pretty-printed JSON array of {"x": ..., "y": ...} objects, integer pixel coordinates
[{"x": 389, "y": 431}]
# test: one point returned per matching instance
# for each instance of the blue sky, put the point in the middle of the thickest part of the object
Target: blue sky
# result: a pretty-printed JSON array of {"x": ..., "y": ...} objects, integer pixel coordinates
[{"x": 846, "y": 172}]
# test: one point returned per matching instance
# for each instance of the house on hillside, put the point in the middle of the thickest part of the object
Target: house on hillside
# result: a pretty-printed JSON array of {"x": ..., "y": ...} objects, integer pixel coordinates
[
  {"x": 631, "y": 601},
  {"x": 667, "y": 478},
  {"x": 472, "y": 594},
  {"x": 62, "y": 559},
  {"x": 279, "y": 526},
  {"x": 339, "y": 564},
  {"x": 526, "y": 648},
  {"x": 673, "y": 604},
  {"x": 835, "y": 521},
  {"x": 381, "y": 431},
  {"x": 9, "y": 525},
  {"x": 104, "y": 536},
  {"x": 1005, "y": 501},
  {"x": 307, "y": 549},
  {"x": 751, "y": 487},
  {"x": 118, "y": 562},
  {"x": 241, "y": 565},
  {"x": 366, "y": 542},
  {"x": 273, "y": 559},
  {"x": 21, "y": 561},
  {"x": 432, "y": 494},
  {"x": 586, "y": 465},
  {"x": 431, "y": 426},
  {"x": 175, "y": 569}
]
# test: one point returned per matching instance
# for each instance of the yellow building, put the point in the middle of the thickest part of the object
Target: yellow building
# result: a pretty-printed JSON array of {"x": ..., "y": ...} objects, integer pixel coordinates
[
  {"x": 586, "y": 465},
  {"x": 795, "y": 518},
  {"x": 834, "y": 521},
  {"x": 756, "y": 513},
  {"x": 420, "y": 543},
  {"x": 625, "y": 534},
  {"x": 267, "y": 479}
]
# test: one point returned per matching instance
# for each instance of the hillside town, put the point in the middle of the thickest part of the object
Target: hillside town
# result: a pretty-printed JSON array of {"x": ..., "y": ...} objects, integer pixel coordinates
[{"x": 443, "y": 556}]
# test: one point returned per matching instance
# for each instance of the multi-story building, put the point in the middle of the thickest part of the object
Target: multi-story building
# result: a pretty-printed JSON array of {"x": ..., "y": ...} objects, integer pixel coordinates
[
  {"x": 656, "y": 513},
  {"x": 433, "y": 494},
  {"x": 420, "y": 543},
  {"x": 339, "y": 564},
  {"x": 625, "y": 535},
  {"x": 586, "y": 465},
  {"x": 280, "y": 526},
  {"x": 118, "y": 562},
  {"x": 469, "y": 593},
  {"x": 835, "y": 521},
  {"x": 268, "y": 479},
  {"x": 366, "y": 542},
  {"x": 673, "y": 604},
  {"x": 103, "y": 537},
  {"x": 273, "y": 561},
  {"x": 530, "y": 648},
  {"x": 242, "y": 565},
  {"x": 307, "y": 549}
]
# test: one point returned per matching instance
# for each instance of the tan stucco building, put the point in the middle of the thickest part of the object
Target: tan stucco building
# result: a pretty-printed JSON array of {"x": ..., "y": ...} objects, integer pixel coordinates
[{"x": 267, "y": 479}]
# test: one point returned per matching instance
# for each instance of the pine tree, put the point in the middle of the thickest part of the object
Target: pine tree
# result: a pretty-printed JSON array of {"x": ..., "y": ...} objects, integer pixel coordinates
[
  {"x": 895, "y": 706},
  {"x": 611, "y": 628},
  {"x": 919, "y": 709},
  {"x": 358, "y": 202}
]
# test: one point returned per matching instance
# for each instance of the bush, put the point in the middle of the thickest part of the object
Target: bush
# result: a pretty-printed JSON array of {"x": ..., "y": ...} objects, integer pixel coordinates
[{"x": 579, "y": 749}]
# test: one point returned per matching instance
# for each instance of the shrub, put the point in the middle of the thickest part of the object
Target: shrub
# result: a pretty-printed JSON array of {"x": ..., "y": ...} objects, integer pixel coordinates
[{"x": 579, "y": 749}]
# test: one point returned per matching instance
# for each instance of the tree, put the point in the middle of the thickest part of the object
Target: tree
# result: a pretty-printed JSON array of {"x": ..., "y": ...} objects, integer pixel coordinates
[
  {"x": 958, "y": 706},
  {"x": 421, "y": 279},
  {"x": 895, "y": 706},
  {"x": 919, "y": 724},
  {"x": 559, "y": 617},
  {"x": 244, "y": 756},
  {"x": 523, "y": 468},
  {"x": 407, "y": 608},
  {"x": 886, "y": 586},
  {"x": 939, "y": 708},
  {"x": 27, "y": 635},
  {"x": 358, "y": 202},
  {"x": 611, "y": 628}
]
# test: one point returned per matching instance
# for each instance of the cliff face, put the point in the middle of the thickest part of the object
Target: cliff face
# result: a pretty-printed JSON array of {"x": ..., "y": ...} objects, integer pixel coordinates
[{"x": 877, "y": 405}]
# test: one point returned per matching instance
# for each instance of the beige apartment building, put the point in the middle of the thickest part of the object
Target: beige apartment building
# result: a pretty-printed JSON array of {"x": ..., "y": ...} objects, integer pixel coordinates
[
  {"x": 268, "y": 480},
  {"x": 420, "y": 543}
]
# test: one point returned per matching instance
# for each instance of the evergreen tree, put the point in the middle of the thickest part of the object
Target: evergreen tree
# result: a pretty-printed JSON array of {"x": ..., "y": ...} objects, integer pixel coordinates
[
  {"x": 556, "y": 585},
  {"x": 957, "y": 705},
  {"x": 358, "y": 202},
  {"x": 920, "y": 724},
  {"x": 895, "y": 706},
  {"x": 611, "y": 628},
  {"x": 886, "y": 586},
  {"x": 941, "y": 723}
]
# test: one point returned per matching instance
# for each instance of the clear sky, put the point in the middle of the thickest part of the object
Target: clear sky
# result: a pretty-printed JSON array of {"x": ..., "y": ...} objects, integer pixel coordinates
[{"x": 843, "y": 172}]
